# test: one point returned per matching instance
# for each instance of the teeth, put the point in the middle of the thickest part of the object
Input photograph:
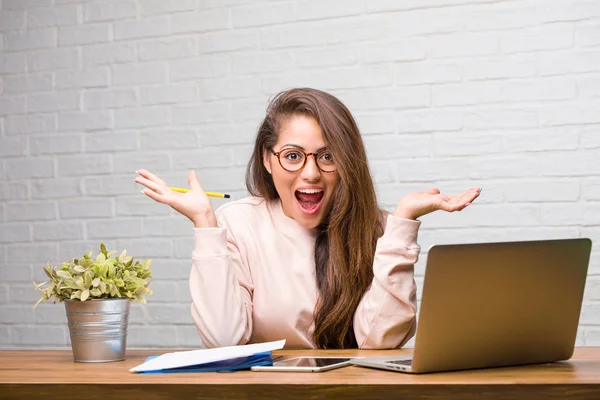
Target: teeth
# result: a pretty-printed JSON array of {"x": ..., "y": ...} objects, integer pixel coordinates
[{"x": 310, "y": 191}]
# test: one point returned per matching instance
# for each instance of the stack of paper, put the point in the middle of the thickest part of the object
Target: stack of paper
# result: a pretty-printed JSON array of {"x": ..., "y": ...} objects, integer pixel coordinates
[{"x": 230, "y": 358}]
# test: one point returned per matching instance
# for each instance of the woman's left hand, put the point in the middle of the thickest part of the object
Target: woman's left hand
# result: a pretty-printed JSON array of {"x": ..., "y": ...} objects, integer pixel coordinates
[{"x": 417, "y": 204}]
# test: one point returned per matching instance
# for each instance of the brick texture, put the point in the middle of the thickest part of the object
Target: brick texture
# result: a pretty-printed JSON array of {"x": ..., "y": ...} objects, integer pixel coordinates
[{"x": 452, "y": 94}]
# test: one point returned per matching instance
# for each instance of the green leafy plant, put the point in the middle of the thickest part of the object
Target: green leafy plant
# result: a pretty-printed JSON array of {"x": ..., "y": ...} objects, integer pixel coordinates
[{"x": 100, "y": 277}]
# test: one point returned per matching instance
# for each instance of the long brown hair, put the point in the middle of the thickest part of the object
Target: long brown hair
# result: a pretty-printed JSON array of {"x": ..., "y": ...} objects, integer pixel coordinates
[{"x": 345, "y": 245}]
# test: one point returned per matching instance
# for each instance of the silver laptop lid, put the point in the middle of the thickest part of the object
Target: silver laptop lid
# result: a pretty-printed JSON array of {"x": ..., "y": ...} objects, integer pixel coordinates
[{"x": 498, "y": 304}]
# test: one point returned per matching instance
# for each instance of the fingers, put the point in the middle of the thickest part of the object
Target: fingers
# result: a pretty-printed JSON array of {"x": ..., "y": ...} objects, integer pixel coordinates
[
  {"x": 466, "y": 196},
  {"x": 434, "y": 191},
  {"x": 472, "y": 194},
  {"x": 149, "y": 175},
  {"x": 458, "y": 203},
  {"x": 193, "y": 181},
  {"x": 452, "y": 206},
  {"x": 155, "y": 188},
  {"x": 153, "y": 195},
  {"x": 150, "y": 184}
]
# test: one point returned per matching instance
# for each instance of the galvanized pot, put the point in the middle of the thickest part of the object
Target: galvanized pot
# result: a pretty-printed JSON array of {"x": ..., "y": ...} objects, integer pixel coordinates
[{"x": 98, "y": 329}]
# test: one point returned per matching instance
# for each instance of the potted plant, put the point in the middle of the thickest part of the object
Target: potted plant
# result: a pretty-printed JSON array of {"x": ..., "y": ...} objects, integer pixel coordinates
[{"x": 97, "y": 292}]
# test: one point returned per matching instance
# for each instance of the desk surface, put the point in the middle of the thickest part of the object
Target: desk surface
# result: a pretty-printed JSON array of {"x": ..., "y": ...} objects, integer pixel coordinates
[{"x": 53, "y": 375}]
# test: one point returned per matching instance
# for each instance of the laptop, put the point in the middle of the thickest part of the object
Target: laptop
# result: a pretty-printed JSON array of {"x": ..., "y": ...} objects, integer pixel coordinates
[{"x": 496, "y": 304}]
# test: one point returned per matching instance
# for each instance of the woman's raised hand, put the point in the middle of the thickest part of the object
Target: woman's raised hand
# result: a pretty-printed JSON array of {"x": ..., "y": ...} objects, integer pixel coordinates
[
  {"x": 194, "y": 204},
  {"x": 417, "y": 204}
]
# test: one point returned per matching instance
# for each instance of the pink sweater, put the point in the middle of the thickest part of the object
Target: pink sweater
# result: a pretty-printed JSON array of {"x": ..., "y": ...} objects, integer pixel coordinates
[{"x": 253, "y": 280}]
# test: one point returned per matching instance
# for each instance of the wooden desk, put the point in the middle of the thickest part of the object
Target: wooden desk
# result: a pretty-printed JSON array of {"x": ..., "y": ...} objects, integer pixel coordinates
[{"x": 53, "y": 375}]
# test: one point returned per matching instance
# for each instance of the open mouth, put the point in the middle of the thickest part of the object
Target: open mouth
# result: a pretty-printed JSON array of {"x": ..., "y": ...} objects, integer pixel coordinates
[{"x": 309, "y": 200}]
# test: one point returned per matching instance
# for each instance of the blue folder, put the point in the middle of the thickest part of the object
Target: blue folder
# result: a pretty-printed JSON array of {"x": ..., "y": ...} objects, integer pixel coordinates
[{"x": 234, "y": 364}]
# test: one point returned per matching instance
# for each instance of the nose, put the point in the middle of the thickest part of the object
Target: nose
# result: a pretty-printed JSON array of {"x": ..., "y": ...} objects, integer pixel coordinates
[{"x": 311, "y": 171}]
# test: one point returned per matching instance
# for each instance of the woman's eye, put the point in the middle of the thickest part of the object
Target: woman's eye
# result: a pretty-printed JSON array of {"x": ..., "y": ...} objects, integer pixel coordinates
[
  {"x": 293, "y": 156},
  {"x": 327, "y": 157}
]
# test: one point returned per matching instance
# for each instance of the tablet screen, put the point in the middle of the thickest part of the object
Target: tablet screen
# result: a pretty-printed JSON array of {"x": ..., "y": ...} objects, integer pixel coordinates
[{"x": 309, "y": 362}]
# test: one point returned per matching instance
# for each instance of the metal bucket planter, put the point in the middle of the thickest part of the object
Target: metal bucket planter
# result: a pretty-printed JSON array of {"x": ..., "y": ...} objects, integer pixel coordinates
[{"x": 98, "y": 329}]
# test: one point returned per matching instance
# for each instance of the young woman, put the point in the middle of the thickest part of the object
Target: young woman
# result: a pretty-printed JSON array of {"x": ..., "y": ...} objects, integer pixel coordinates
[{"x": 310, "y": 257}]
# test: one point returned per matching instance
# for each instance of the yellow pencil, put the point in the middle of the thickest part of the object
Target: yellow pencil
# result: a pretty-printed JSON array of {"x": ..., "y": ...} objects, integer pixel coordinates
[{"x": 211, "y": 194}]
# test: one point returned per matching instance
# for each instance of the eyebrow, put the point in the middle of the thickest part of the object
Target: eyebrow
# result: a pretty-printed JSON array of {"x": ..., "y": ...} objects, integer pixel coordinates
[{"x": 300, "y": 147}]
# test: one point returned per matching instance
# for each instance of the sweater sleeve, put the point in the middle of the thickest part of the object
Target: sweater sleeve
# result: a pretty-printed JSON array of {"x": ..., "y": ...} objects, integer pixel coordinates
[
  {"x": 221, "y": 289},
  {"x": 386, "y": 316}
]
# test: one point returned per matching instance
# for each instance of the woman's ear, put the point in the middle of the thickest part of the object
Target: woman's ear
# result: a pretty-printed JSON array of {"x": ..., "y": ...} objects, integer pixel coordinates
[{"x": 267, "y": 161}]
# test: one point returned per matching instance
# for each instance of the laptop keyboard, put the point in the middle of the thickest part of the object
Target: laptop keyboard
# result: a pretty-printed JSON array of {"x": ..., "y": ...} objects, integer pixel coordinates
[{"x": 400, "y": 362}]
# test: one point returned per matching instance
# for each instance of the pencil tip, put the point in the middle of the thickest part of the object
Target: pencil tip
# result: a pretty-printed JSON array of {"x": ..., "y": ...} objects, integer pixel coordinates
[{"x": 226, "y": 196}]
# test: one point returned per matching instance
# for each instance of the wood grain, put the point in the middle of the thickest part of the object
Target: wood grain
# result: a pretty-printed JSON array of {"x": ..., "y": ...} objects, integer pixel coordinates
[{"x": 54, "y": 375}]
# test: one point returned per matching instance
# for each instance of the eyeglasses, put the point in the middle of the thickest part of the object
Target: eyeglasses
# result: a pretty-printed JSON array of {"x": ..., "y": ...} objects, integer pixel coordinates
[{"x": 294, "y": 160}]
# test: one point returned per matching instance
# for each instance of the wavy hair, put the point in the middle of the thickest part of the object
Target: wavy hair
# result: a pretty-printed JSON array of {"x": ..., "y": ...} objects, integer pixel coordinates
[{"x": 345, "y": 244}]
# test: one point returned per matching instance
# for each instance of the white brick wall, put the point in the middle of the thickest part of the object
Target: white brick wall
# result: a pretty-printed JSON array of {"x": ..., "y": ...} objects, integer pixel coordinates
[{"x": 449, "y": 93}]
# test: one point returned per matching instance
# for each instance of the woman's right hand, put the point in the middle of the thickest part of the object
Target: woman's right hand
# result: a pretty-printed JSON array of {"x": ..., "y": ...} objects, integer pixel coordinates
[{"x": 194, "y": 204}]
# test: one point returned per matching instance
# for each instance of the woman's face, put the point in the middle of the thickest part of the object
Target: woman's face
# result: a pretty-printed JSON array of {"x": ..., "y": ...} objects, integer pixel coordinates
[{"x": 306, "y": 195}]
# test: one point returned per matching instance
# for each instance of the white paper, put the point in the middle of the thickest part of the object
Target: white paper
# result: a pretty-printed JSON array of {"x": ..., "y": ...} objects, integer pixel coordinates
[{"x": 195, "y": 357}]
